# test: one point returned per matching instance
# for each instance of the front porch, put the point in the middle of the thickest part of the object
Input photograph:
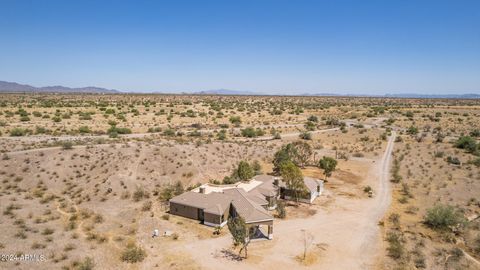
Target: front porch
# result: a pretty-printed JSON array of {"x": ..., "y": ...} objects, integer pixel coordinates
[{"x": 261, "y": 231}]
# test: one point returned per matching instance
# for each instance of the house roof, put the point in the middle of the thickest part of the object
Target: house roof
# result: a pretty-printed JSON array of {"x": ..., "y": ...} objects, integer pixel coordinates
[
  {"x": 267, "y": 187},
  {"x": 247, "y": 197},
  {"x": 311, "y": 183},
  {"x": 214, "y": 203},
  {"x": 246, "y": 207}
]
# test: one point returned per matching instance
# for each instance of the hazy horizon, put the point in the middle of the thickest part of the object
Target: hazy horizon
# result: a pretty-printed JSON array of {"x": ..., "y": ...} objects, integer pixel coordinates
[{"x": 268, "y": 47}]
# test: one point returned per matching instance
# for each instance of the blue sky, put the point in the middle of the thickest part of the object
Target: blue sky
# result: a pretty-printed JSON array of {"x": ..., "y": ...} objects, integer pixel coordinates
[{"x": 268, "y": 46}]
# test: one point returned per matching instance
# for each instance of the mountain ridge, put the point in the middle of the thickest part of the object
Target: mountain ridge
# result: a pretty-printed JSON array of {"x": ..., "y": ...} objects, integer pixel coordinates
[{"x": 13, "y": 87}]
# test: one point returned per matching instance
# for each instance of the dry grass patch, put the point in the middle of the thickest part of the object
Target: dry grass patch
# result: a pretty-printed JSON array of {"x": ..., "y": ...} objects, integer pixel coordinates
[{"x": 180, "y": 261}]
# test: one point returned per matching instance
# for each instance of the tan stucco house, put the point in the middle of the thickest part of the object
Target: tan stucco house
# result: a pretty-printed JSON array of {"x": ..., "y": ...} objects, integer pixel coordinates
[{"x": 252, "y": 200}]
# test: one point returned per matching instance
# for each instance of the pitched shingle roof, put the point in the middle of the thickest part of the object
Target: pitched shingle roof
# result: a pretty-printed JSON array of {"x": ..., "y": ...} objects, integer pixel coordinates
[
  {"x": 215, "y": 203},
  {"x": 246, "y": 207}
]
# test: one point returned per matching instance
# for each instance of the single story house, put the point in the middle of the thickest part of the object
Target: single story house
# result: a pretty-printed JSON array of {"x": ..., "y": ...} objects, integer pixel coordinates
[{"x": 252, "y": 200}]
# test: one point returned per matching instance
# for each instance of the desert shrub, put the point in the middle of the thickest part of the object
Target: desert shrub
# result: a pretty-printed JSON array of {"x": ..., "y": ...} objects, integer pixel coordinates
[
  {"x": 442, "y": 217},
  {"x": 98, "y": 218},
  {"x": 235, "y": 120},
  {"x": 476, "y": 245},
  {"x": 171, "y": 190},
  {"x": 24, "y": 118},
  {"x": 86, "y": 264},
  {"x": 17, "y": 132},
  {"x": 139, "y": 194},
  {"x": 118, "y": 130},
  {"x": 66, "y": 145},
  {"x": 169, "y": 132},
  {"x": 467, "y": 143},
  {"x": 147, "y": 206},
  {"x": 281, "y": 211},
  {"x": 250, "y": 132},
  {"x": 309, "y": 125},
  {"x": 412, "y": 130},
  {"x": 84, "y": 129},
  {"x": 47, "y": 231},
  {"x": 222, "y": 135},
  {"x": 305, "y": 135},
  {"x": 133, "y": 254},
  {"x": 312, "y": 118},
  {"x": 367, "y": 189},
  {"x": 41, "y": 130},
  {"x": 396, "y": 177},
  {"x": 476, "y": 162},
  {"x": 358, "y": 155},
  {"x": 395, "y": 248},
  {"x": 453, "y": 160},
  {"x": 154, "y": 129}
]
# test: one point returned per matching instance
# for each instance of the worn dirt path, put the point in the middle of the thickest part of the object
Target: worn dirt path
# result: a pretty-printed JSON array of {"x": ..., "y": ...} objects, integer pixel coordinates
[{"x": 346, "y": 233}]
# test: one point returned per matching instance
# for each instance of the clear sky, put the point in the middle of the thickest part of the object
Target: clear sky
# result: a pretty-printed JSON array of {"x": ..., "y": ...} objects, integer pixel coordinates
[{"x": 268, "y": 46}]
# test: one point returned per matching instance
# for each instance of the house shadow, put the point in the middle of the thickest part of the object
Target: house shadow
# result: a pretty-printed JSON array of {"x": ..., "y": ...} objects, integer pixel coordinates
[{"x": 258, "y": 234}]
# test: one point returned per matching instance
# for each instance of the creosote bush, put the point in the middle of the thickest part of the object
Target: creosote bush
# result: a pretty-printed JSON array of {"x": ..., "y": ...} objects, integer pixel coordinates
[
  {"x": 442, "y": 217},
  {"x": 133, "y": 254}
]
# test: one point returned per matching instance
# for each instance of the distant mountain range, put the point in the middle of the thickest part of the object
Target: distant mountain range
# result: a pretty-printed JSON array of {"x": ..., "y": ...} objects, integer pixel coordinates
[
  {"x": 459, "y": 96},
  {"x": 226, "y": 92},
  {"x": 12, "y": 87}
]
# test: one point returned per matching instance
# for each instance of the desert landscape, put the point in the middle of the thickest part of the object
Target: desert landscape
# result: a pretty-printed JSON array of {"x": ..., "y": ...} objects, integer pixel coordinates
[{"x": 87, "y": 178}]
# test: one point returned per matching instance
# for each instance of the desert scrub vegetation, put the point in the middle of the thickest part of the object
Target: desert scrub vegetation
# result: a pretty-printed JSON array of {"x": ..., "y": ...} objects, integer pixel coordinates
[
  {"x": 251, "y": 132},
  {"x": 444, "y": 217},
  {"x": 395, "y": 171},
  {"x": 133, "y": 254},
  {"x": 169, "y": 191},
  {"x": 18, "y": 132}
]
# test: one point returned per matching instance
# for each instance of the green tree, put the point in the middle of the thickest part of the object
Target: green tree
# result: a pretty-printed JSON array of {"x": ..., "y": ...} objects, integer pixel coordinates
[
  {"x": 302, "y": 154},
  {"x": 285, "y": 154},
  {"x": 257, "y": 168},
  {"x": 328, "y": 165},
  {"x": 240, "y": 233},
  {"x": 244, "y": 171},
  {"x": 293, "y": 178}
]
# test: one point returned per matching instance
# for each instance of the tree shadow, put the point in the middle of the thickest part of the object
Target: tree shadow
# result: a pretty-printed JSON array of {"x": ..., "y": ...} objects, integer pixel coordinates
[{"x": 228, "y": 254}]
